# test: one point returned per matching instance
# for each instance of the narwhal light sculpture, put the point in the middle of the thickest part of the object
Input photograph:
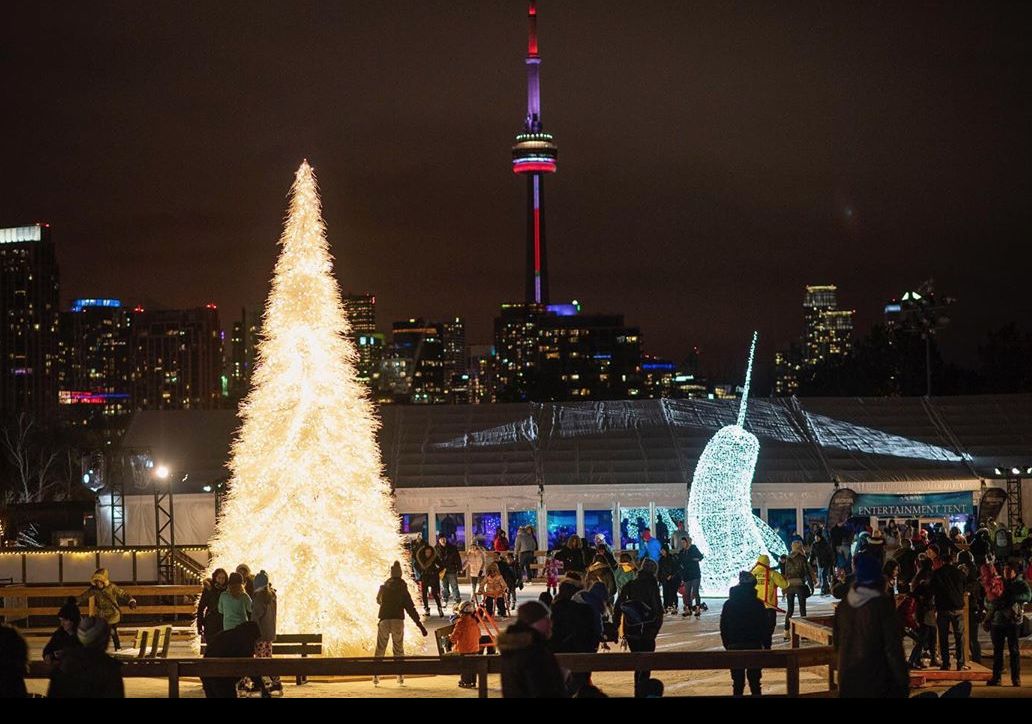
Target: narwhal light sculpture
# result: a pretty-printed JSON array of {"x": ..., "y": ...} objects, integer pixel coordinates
[{"x": 720, "y": 517}]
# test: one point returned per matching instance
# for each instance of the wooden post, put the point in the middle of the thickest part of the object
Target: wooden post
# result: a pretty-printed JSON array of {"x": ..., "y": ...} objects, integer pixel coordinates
[
  {"x": 792, "y": 677},
  {"x": 173, "y": 679},
  {"x": 482, "y": 677},
  {"x": 795, "y": 636}
]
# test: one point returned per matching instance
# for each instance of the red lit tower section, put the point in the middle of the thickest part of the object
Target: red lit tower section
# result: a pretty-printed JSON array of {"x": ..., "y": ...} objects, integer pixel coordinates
[{"x": 534, "y": 155}]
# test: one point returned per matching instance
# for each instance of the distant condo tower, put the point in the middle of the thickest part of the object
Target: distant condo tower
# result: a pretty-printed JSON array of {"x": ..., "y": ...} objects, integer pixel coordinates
[{"x": 533, "y": 156}]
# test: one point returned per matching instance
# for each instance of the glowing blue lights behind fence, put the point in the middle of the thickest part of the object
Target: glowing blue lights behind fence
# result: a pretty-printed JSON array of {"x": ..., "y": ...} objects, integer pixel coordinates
[{"x": 561, "y": 525}]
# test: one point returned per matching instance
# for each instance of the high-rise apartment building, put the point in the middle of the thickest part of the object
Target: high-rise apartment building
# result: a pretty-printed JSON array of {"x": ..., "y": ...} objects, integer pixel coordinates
[
  {"x": 29, "y": 337},
  {"x": 95, "y": 377},
  {"x": 829, "y": 330},
  {"x": 177, "y": 358},
  {"x": 555, "y": 353}
]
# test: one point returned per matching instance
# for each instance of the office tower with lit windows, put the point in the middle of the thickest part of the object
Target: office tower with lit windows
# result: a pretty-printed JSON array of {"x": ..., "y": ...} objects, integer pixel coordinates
[
  {"x": 829, "y": 330},
  {"x": 29, "y": 338},
  {"x": 95, "y": 377},
  {"x": 361, "y": 313},
  {"x": 554, "y": 352},
  {"x": 421, "y": 343},
  {"x": 481, "y": 370},
  {"x": 177, "y": 358}
]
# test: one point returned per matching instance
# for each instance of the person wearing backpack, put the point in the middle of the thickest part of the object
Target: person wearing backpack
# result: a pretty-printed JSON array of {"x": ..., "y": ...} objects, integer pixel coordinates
[
  {"x": 743, "y": 625},
  {"x": 640, "y": 610},
  {"x": 1004, "y": 618},
  {"x": 801, "y": 582}
]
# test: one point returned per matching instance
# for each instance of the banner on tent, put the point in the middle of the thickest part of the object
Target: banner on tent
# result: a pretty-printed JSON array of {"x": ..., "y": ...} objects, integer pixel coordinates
[{"x": 931, "y": 505}]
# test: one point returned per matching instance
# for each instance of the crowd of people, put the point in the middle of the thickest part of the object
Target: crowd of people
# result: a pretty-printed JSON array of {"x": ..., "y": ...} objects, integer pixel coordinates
[
  {"x": 909, "y": 582},
  {"x": 893, "y": 583}
]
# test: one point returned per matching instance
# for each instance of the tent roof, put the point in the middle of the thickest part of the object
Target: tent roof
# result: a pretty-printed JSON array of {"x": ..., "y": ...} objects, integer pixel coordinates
[{"x": 648, "y": 441}]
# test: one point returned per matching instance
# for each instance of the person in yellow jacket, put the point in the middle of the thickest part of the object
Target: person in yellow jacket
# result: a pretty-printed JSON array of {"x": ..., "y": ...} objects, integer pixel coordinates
[{"x": 768, "y": 581}]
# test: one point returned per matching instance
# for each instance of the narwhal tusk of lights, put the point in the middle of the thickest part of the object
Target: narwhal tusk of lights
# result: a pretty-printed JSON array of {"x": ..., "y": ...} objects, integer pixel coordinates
[{"x": 720, "y": 518}]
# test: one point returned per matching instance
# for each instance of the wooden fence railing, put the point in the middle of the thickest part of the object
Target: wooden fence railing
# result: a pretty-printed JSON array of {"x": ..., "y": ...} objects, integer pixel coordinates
[
  {"x": 59, "y": 593},
  {"x": 792, "y": 660}
]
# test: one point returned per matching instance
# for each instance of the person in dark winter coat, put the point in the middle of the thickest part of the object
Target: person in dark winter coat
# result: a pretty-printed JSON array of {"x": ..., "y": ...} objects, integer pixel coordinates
[
  {"x": 1004, "y": 617},
  {"x": 906, "y": 556},
  {"x": 800, "y": 582},
  {"x": 822, "y": 557},
  {"x": 395, "y": 601},
  {"x": 976, "y": 601},
  {"x": 87, "y": 672},
  {"x": 669, "y": 578},
  {"x": 743, "y": 625},
  {"x": 430, "y": 567},
  {"x": 209, "y": 620},
  {"x": 868, "y": 636},
  {"x": 572, "y": 556},
  {"x": 529, "y": 669},
  {"x": 573, "y": 623},
  {"x": 640, "y": 610},
  {"x": 451, "y": 561},
  {"x": 921, "y": 590},
  {"x": 689, "y": 558},
  {"x": 14, "y": 663},
  {"x": 66, "y": 636},
  {"x": 948, "y": 588},
  {"x": 245, "y": 573},
  {"x": 235, "y": 643}
]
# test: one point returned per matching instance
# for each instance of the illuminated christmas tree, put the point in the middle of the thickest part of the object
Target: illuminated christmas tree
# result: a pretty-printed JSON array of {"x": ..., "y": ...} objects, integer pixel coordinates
[{"x": 307, "y": 499}]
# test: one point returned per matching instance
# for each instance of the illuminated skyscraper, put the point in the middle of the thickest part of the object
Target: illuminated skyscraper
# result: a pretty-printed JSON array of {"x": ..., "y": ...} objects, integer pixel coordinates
[
  {"x": 177, "y": 358},
  {"x": 96, "y": 363},
  {"x": 533, "y": 156},
  {"x": 29, "y": 344},
  {"x": 829, "y": 330}
]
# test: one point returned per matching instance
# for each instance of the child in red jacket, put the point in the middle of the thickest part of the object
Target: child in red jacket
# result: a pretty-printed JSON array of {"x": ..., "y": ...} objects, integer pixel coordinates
[{"x": 465, "y": 638}]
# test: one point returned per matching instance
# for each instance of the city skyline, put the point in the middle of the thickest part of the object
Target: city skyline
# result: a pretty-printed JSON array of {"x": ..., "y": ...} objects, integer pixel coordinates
[{"x": 673, "y": 191}]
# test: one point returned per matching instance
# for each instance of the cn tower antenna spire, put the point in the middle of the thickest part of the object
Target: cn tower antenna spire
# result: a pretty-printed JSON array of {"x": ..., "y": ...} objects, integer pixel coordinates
[{"x": 534, "y": 155}]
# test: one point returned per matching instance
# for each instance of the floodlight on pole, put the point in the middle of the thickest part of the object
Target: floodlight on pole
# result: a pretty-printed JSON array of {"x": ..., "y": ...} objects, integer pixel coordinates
[{"x": 161, "y": 472}]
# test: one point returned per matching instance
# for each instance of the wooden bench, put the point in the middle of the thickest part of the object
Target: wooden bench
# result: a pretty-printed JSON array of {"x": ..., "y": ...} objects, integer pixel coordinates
[
  {"x": 152, "y": 643},
  {"x": 293, "y": 645}
]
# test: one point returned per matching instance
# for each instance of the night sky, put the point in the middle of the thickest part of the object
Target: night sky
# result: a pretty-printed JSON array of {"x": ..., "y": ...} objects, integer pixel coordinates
[{"x": 714, "y": 157}]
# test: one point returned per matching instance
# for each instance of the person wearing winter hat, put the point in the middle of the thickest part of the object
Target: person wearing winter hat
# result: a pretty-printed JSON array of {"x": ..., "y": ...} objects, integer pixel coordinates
[
  {"x": 395, "y": 601},
  {"x": 869, "y": 638},
  {"x": 743, "y": 625},
  {"x": 465, "y": 640},
  {"x": 234, "y": 603},
  {"x": 529, "y": 669},
  {"x": 263, "y": 613},
  {"x": 801, "y": 582},
  {"x": 65, "y": 636},
  {"x": 640, "y": 610},
  {"x": 107, "y": 601},
  {"x": 768, "y": 581},
  {"x": 86, "y": 671}
]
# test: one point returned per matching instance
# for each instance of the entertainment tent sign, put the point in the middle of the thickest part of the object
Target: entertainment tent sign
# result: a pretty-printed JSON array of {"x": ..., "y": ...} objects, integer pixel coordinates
[{"x": 930, "y": 505}]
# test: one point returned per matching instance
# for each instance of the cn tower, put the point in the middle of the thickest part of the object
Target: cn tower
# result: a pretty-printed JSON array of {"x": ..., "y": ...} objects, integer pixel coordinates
[{"x": 534, "y": 155}]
